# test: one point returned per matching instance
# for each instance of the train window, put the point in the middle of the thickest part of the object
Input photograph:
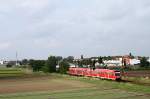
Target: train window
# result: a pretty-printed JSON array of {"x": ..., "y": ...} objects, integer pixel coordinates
[{"x": 117, "y": 74}]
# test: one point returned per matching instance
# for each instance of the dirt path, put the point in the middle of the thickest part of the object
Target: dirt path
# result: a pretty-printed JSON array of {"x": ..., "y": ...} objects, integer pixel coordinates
[{"x": 32, "y": 84}]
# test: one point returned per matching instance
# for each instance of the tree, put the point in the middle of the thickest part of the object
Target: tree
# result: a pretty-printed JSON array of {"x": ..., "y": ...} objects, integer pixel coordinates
[
  {"x": 9, "y": 65},
  {"x": 80, "y": 63},
  {"x": 70, "y": 59},
  {"x": 50, "y": 65},
  {"x": 59, "y": 58},
  {"x": 100, "y": 60},
  {"x": 82, "y": 57},
  {"x": 37, "y": 65},
  {"x": 24, "y": 62},
  {"x": 63, "y": 67},
  {"x": 144, "y": 62},
  {"x": 131, "y": 56}
]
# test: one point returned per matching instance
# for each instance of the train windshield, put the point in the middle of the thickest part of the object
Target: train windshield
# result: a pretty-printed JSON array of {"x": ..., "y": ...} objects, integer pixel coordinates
[{"x": 117, "y": 74}]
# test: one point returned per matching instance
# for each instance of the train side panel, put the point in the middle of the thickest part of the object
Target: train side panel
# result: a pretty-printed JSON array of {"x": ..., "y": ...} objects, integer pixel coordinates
[{"x": 100, "y": 73}]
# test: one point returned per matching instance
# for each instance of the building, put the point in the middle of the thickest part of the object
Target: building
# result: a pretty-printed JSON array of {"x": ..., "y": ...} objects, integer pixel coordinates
[
  {"x": 148, "y": 60},
  {"x": 1, "y": 62},
  {"x": 112, "y": 63},
  {"x": 134, "y": 61},
  {"x": 126, "y": 59},
  {"x": 122, "y": 60}
]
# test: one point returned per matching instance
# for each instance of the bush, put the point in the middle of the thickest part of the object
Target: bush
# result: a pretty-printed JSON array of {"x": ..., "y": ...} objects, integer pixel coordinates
[
  {"x": 63, "y": 67},
  {"x": 9, "y": 65},
  {"x": 144, "y": 62},
  {"x": 37, "y": 65},
  {"x": 50, "y": 65}
]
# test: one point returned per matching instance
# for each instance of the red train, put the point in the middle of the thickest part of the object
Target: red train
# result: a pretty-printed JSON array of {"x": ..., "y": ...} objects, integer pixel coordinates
[{"x": 99, "y": 73}]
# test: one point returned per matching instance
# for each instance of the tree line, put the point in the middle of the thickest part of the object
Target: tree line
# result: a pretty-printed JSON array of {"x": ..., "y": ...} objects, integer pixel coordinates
[
  {"x": 51, "y": 65},
  {"x": 61, "y": 65}
]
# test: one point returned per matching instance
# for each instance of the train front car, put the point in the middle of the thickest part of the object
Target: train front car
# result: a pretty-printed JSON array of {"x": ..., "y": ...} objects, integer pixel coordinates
[
  {"x": 108, "y": 74},
  {"x": 113, "y": 74},
  {"x": 117, "y": 75}
]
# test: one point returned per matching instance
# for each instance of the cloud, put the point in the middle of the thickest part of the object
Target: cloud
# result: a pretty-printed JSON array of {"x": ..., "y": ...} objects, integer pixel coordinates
[
  {"x": 74, "y": 27},
  {"x": 48, "y": 42},
  {"x": 5, "y": 45}
]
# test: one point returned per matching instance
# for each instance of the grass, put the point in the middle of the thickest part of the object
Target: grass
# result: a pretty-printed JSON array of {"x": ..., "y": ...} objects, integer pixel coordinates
[
  {"x": 138, "y": 80},
  {"x": 82, "y": 88},
  {"x": 127, "y": 86},
  {"x": 89, "y": 93},
  {"x": 94, "y": 93},
  {"x": 9, "y": 72}
]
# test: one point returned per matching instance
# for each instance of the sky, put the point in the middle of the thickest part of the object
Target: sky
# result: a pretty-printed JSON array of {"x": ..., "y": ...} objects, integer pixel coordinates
[{"x": 40, "y": 28}]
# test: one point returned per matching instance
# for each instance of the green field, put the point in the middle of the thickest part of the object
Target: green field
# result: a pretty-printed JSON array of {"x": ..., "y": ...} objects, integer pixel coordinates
[
  {"x": 9, "y": 72},
  {"x": 57, "y": 86},
  {"x": 88, "y": 93}
]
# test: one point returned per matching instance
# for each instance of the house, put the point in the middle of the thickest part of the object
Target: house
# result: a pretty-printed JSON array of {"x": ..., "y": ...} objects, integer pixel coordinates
[
  {"x": 110, "y": 63},
  {"x": 126, "y": 59},
  {"x": 148, "y": 60},
  {"x": 134, "y": 61},
  {"x": 122, "y": 60},
  {"x": 1, "y": 62}
]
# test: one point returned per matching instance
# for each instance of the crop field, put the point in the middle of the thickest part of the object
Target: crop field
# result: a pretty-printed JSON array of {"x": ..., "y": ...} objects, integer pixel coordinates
[
  {"x": 57, "y": 86},
  {"x": 141, "y": 73},
  {"x": 138, "y": 77},
  {"x": 10, "y": 72}
]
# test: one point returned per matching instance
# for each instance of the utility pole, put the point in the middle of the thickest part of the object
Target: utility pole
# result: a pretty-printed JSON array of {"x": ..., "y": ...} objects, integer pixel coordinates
[{"x": 16, "y": 58}]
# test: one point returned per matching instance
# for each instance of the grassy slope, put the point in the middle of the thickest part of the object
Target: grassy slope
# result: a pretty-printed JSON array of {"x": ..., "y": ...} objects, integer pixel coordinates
[{"x": 101, "y": 89}]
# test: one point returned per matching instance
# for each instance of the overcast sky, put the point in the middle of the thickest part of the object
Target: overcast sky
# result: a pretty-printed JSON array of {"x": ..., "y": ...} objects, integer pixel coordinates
[{"x": 39, "y": 28}]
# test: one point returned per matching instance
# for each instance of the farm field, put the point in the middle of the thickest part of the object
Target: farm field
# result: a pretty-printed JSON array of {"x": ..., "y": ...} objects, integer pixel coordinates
[
  {"x": 138, "y": 77},
  {"x": 11, "y": 72},
  {"x": 141, "y": 73},
  {"x": 57, "y": 86}
]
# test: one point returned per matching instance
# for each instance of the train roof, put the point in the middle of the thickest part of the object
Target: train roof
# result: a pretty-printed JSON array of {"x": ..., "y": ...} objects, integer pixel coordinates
[{"x": 96, "y": 69}]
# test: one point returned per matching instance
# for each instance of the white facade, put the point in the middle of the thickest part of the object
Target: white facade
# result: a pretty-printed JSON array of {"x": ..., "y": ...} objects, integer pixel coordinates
[
  {"x": 57, "y": 66},
  {"x": 1, "y": 62},
  {"x": 113, "y": 62},
  {"x": 97, "y": 64},
  {"x": 148, "y": 60},
  {"x": 134, "y": 61}
]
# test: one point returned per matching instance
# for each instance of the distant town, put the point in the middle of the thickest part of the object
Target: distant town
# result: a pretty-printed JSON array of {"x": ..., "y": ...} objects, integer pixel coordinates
[{"x": 129, "y": 61}]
